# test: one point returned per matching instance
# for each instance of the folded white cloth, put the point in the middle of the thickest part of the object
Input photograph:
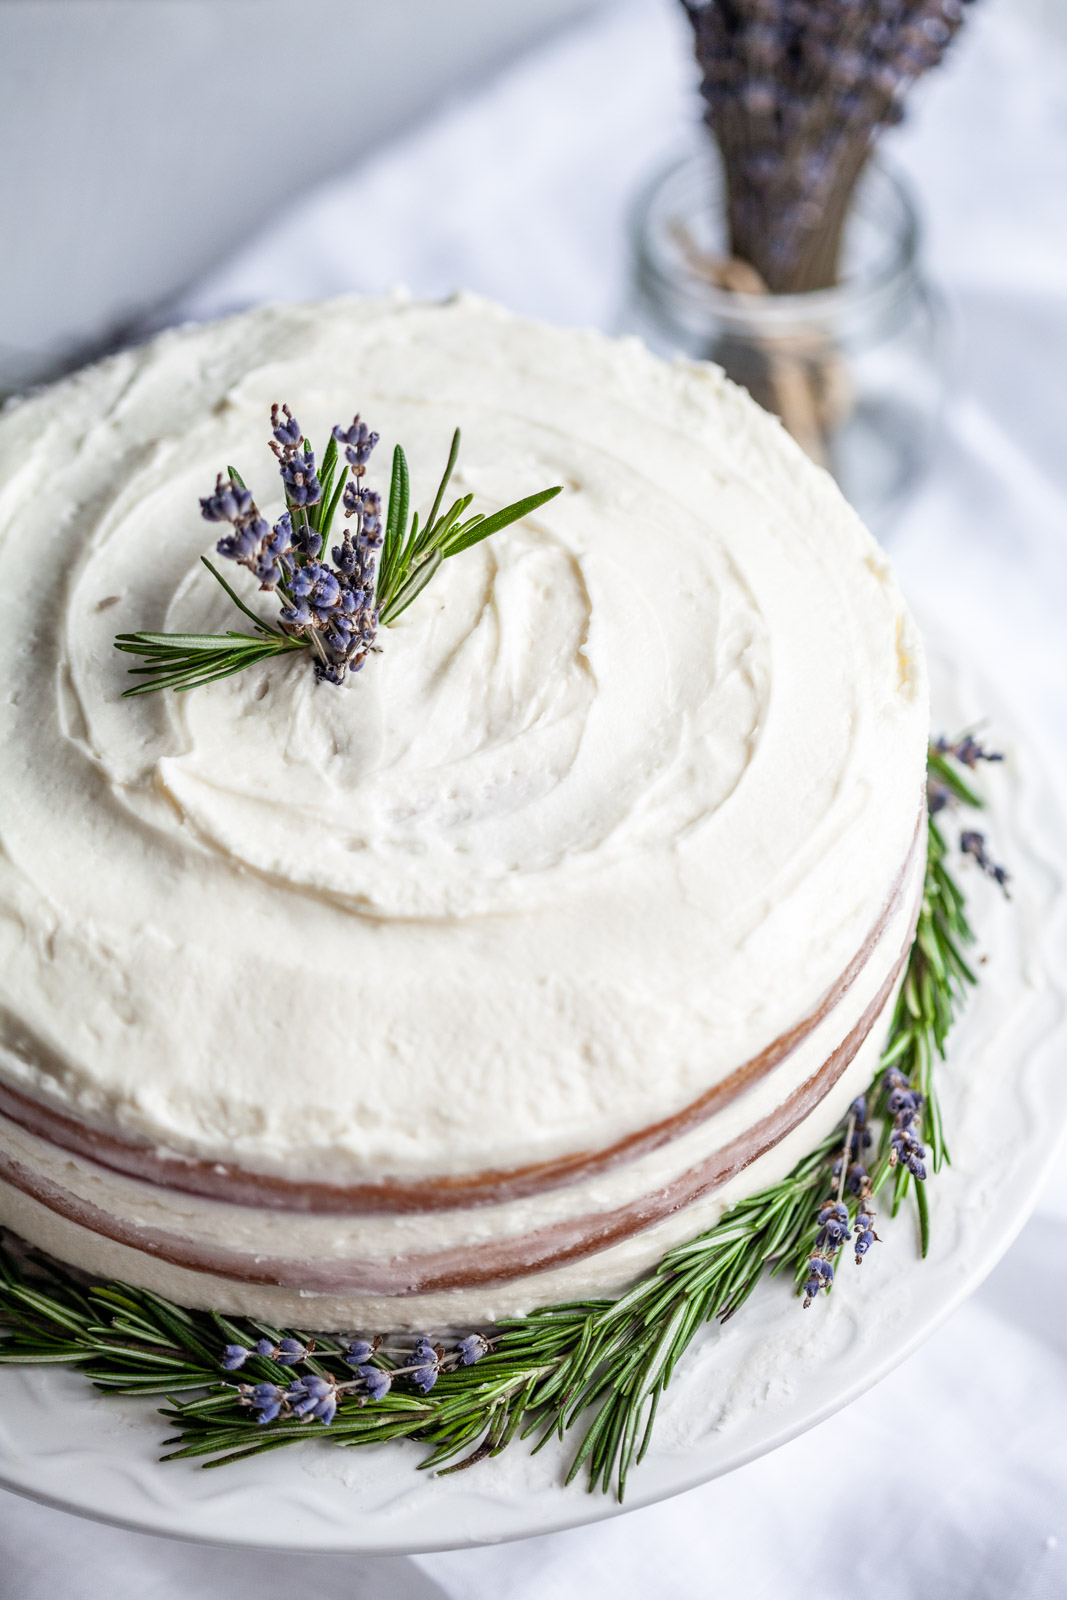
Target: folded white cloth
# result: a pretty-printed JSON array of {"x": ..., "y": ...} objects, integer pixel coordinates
[{"x": 949, "y": 1479}]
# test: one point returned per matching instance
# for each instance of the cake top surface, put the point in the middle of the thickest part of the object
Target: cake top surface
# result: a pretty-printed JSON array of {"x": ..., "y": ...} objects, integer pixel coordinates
[{"x": 618, "y": 799}]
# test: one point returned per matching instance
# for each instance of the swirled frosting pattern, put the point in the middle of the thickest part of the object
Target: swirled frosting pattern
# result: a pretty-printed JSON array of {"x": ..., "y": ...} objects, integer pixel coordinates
[{"x": 621, "y": 797}]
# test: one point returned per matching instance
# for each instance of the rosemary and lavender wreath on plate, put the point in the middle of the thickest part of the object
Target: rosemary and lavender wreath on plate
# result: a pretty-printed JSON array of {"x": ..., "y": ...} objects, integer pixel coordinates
[
  {"x": 237, "y": 1388},
  {"x": 332, "y": 613}
]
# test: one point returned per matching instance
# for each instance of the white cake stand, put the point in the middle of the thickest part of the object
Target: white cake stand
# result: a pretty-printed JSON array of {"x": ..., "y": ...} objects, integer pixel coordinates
[{"x": 742, "y": 1390}]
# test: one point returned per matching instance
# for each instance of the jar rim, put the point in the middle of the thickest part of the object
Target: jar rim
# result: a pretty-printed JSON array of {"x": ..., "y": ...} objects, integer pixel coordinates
[{"x": 880, "y": 189}]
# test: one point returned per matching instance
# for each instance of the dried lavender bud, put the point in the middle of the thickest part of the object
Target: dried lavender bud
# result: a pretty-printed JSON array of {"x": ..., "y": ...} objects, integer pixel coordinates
[
  {"x": 297, "y": 616},
  {"x": 302, "y": 487},
  {"x": 313, "y": 1396},
  {"x": 359, "y": 1351},
  {"x": 820, "y": 1276},
  {"x": 346, "y": 558},
  {"x": 372, "y": 511},
  {"x": 284, "y": 426},
  {"x": 901, "y": 1099},
  {"x": 967, "y": 751},
  {"x": 241, "y": 544},
  {"x": 229, "y": 502},
  {"x": 863, "y": 1244},
  {"x": 858, "y": 1178},
  {"x": 973, "y": 844},
  {"x": 266, "y": 1399},
  {"x": 376, "y": 1381},
  {"x": 937, "y": 797},
  {"x": 905, "y": 1148},
  {"x": 425, "y": 1366},
  {"x": 359, "y": 441},
  {"x": 472, "y": 1349},
  {"x": 290, "y": 1352},
  {"x": 829, "y": 1237},
  {"x": 320, "y": 587}
]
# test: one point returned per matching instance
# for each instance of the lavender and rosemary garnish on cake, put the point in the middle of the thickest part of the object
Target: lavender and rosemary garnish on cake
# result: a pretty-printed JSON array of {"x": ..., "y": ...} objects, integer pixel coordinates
[{"x": 333, "y": 611}]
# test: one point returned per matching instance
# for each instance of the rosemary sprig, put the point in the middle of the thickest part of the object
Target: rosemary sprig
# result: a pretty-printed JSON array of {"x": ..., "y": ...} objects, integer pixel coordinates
[
  {"x": 597, "y": 1366},
  {"x": 182, "y": 661},
  {"x": 411, "y": 556}
]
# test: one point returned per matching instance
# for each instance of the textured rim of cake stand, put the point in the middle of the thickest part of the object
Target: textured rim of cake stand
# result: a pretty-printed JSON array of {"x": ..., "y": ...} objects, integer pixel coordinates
[{"x": 742, "y": 1390}]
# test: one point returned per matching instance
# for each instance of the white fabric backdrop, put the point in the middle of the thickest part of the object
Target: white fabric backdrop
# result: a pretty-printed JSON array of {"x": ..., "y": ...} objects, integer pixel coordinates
[{"x": 949, "y": 1479}]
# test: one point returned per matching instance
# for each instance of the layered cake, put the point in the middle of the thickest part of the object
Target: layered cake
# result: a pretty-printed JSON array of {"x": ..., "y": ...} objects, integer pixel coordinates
[{"x": 478, "y": 982}]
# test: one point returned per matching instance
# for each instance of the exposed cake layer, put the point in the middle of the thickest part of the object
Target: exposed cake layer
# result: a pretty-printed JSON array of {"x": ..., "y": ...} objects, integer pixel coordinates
[
  {"x": 611, "y": 815},
  {"x": 470, "y": 1256},
  {"x": 752, "y": 1088},
  {"x": 52, "y": 1223}
]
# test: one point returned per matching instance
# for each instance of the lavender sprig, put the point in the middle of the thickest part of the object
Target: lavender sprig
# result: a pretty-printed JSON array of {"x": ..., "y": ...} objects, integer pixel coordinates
[
  {"x": 332, "y": 611},
  {"x": 795, "y": 92}
]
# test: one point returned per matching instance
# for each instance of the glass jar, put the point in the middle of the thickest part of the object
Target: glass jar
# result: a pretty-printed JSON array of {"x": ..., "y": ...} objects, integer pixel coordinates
[{"x": 857, "y": 372}]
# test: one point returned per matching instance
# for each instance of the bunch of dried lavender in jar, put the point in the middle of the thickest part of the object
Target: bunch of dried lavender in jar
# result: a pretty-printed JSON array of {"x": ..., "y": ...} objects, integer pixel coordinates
[{"x": 796, "y": 92}]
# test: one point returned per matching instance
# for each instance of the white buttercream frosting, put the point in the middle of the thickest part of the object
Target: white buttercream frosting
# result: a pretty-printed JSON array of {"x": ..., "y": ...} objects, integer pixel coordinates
[{"x": 620, "y": 799}]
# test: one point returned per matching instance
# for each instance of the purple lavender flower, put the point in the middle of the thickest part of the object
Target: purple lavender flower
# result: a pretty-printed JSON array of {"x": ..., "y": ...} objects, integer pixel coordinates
[
  {"x": 286, "y": 429},
  {"x": 472, "y": 1349},
  {"x": 858, "y": 1178},
  {"x": 905, "y": 1105},
  {"x": 902, "y": 1101},
  {"x": 938, "y": 796},
  {"x": 358, "y": 1351},
  {"x": 358, "y": 441},
  {"x": 302, "y": 487},
  {"x": 865, "y": 1234},
  {"x": 820, "y": 1276},
  {"x": 967, "y": 751},
  {"x": 973, "y": 844},
  {"x": 253, "y": 543},
  {"x": 376, "y": 1381},
  {"x": 229, "y": 502},
  {"x": 905, "y": 1148},
  {"x": 297, "y": 616},
  {"x": 425, "y": 1366},
  {"x": 313, "y": 1396},
  {"x": 290, "y": 1352},
  {"x": 346, "y": 558},
  {"x": 857, "y": 1144},
  {"x": 266, "y": 1399},
  {"x": 320, "y": 588},
  {"x": 233, "y": 1357},
  {"x": 241, "y": 544},
  {"x": 833, "y": 1227},
  {"x": 367, "y": 505}
]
